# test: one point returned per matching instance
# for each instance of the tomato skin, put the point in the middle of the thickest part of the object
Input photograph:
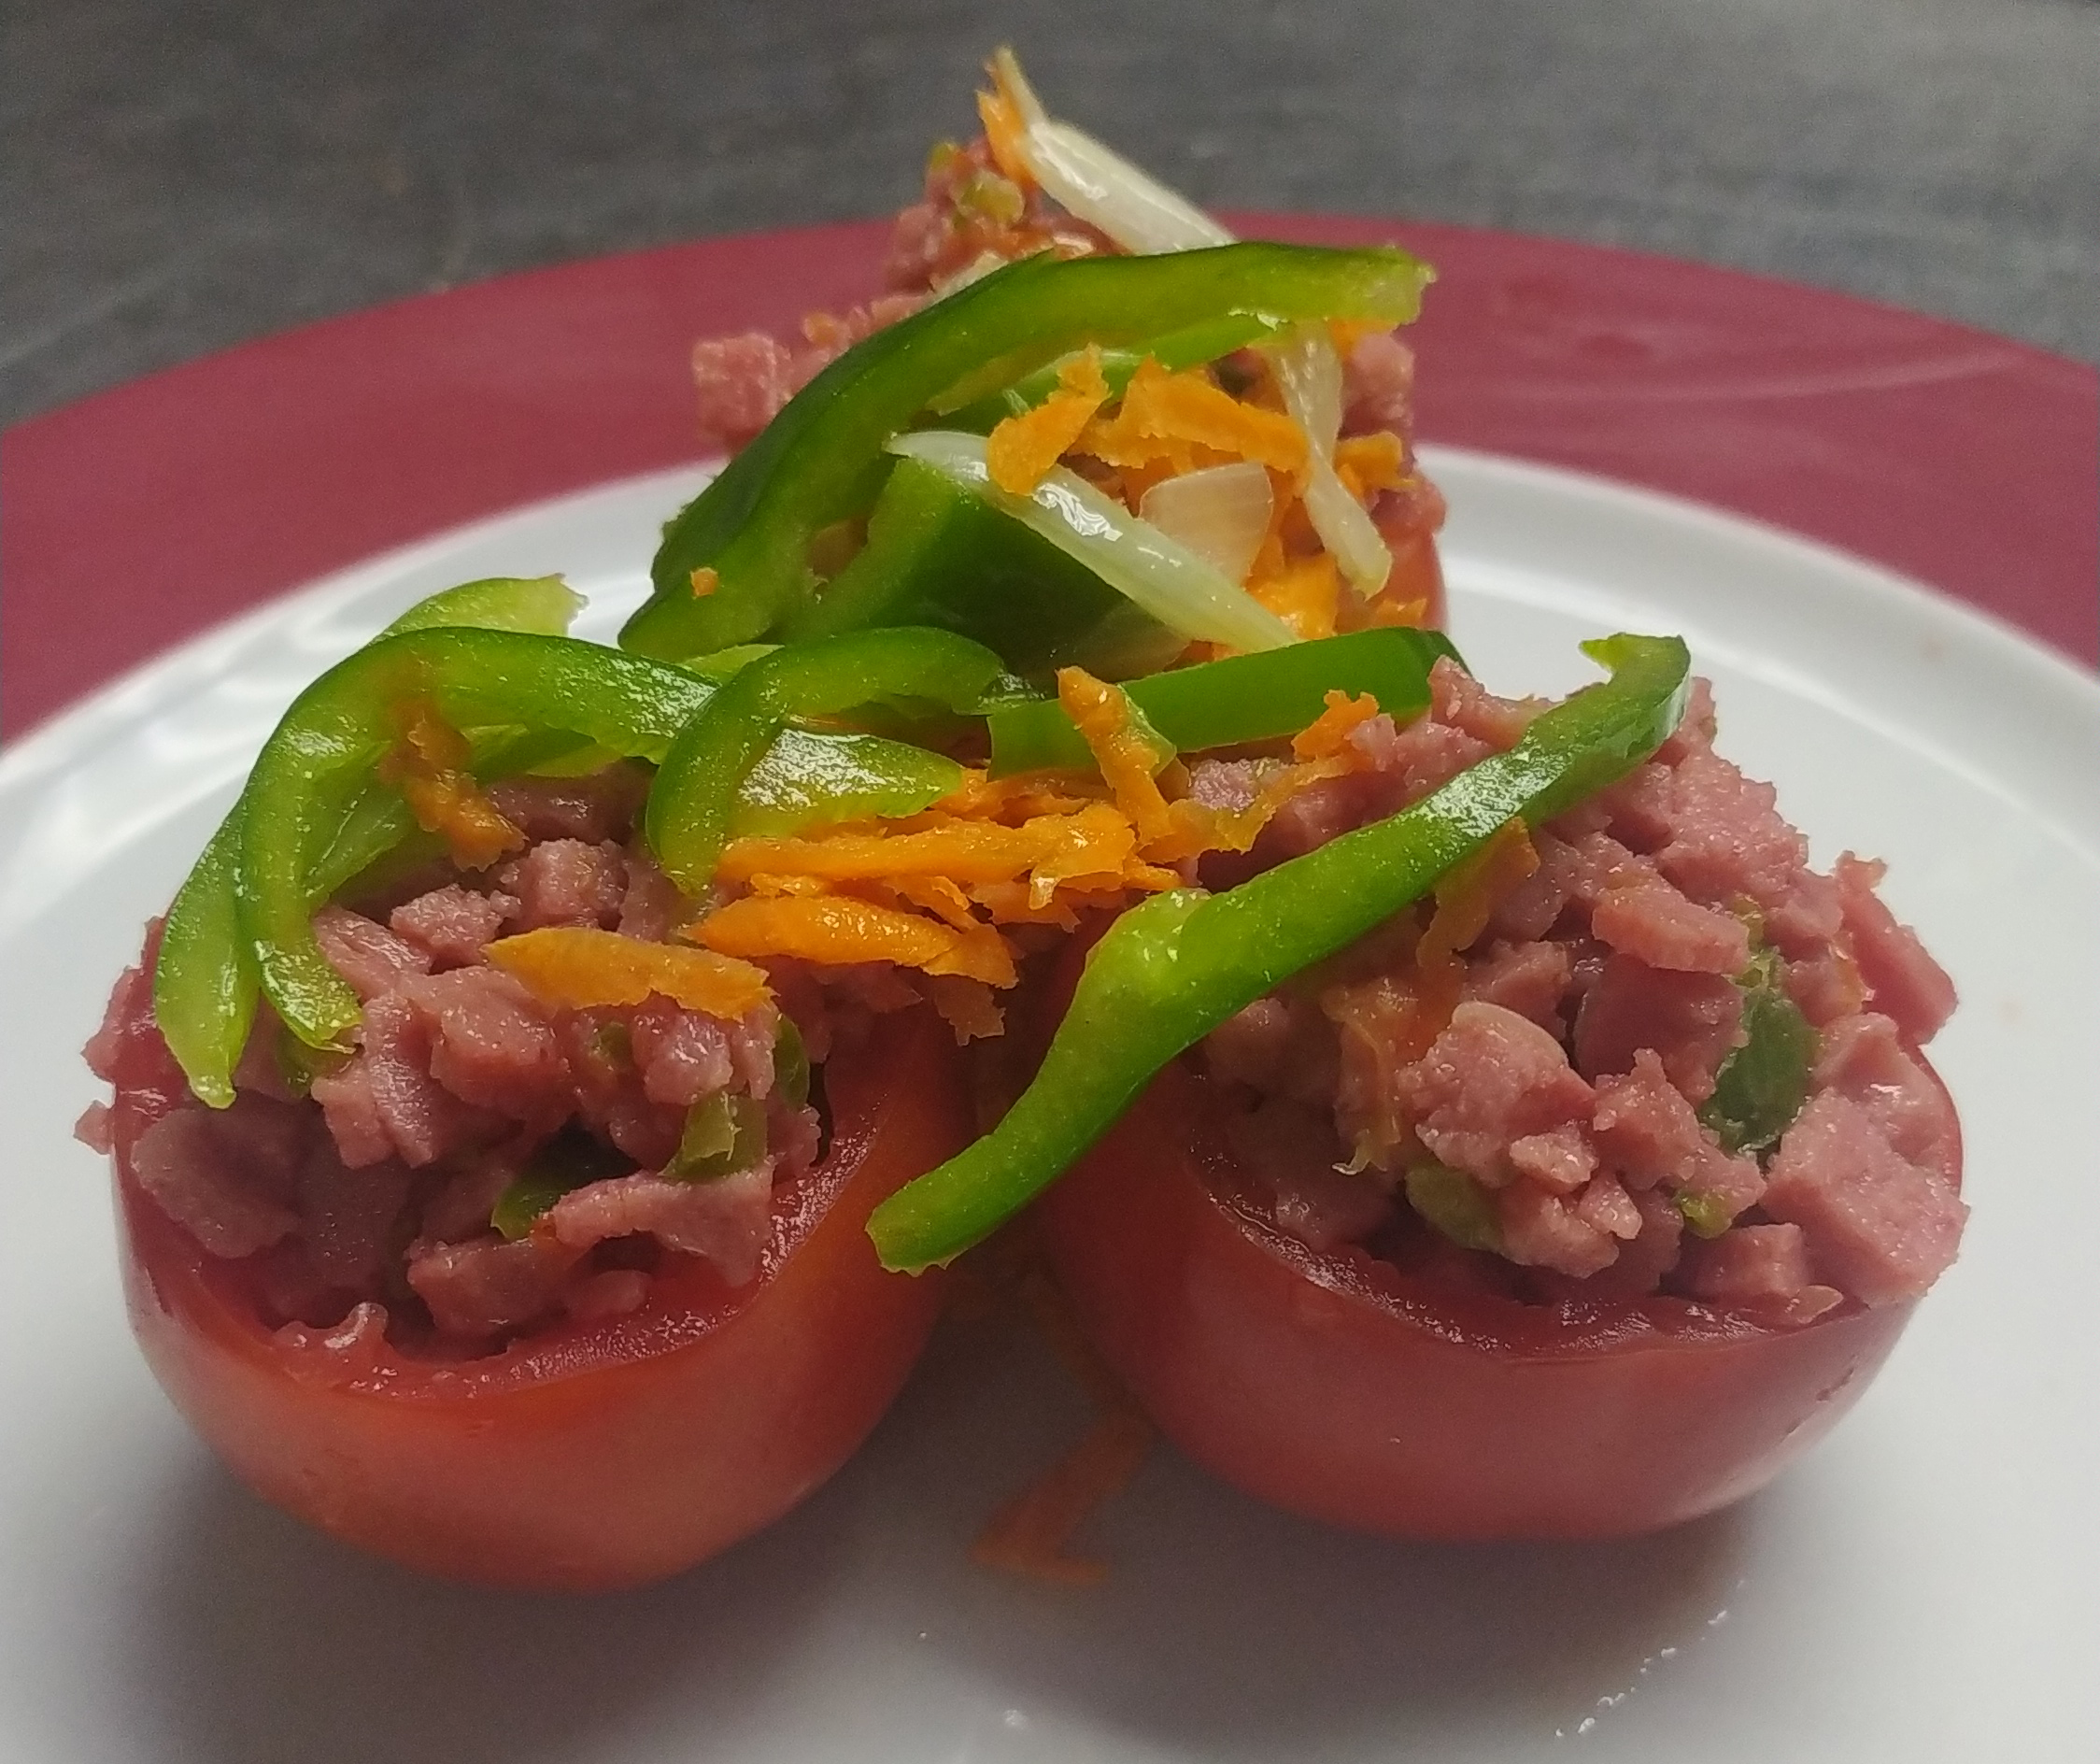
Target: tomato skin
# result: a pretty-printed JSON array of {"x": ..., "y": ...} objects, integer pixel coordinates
[
  {"x": 1333, "y": 1386},
  {"x": 591, "y": 1456}
]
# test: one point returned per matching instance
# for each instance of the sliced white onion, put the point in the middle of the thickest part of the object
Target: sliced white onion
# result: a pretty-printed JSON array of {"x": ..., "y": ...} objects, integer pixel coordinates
[
  {"x": 1180, "y": 589},
  {"x": 1220, "y": 513},
  {"x": 1142, "y": 213},
  {"x": 1309, "y": 371}
]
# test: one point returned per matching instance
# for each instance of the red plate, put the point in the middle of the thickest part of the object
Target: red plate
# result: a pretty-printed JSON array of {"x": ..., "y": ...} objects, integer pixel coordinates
[{"x": 136, "y": 518}]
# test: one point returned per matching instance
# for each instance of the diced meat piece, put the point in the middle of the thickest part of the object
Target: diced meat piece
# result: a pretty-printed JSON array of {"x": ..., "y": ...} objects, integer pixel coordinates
[
  {"x": 1812, "y": 913},
  {"x": 1561, "y": 1160},
  {"x": 594, "y": 808},
  {"x": 131, "y": 1001},
  {"x": 1289, "y": 1152},
  {"x": 346, "y": 1217},
  {"x": 1604, "y": 1206},
  {"x": 1531, "y": 908},
  {"x": 1320, "y": 812},
  {"x": 794, "y": 1136},
  {"x": 1637, "y": 811},
  {"x": 1415, "y": 760},
  {"x": 728, "y": 1221},
  {"x": 384, "y": 1101},
  {"x": 652, "y": 905},
  {"x": 96, "y": 1129},
  {"x": 1689, "y": 1020},
  {"x": 1490, "y": 1078},
  {"x": 487, "y": 1285},
  {"x": 451, "y": 925},
  {"x": 1529, "y": 978},
  {"x": 1375, "y": 1029},
  {"x": 1378, "y": 385},
  {"x": 1659, "y": 926},
  {"x": 567, "y": 882},
  {"x": 683, "y": 1056},
  {"x": 752, "y": 1038},
  {"x": 1644, "y": 1127},
  {"x": 610, "y": 1293},
  {"x": 1727, "y": 837},
  {"x": 491, "y": 1044},
  {"x": 1751, "y": 1264},
  {"x": 1902, "y": 982},
  {"x": 1280, "y": 1046},
  {"x": 1826, "y": 988},
  {"x": 1458, "y": 699},
  {"x": 742, "y": 383},
  {"x": 1542, "y": 1231},
  {"x": 460, "y": 1206},
  {"x": 1878, "y": 1226},
  {"x": 365, "y": 953},
  {"x": 598, "y": 1049},
  {"x": 1865, "y": 1058},
  {"x": 1649, "y": 1134},
  {"x": 198, "y": 1173}
]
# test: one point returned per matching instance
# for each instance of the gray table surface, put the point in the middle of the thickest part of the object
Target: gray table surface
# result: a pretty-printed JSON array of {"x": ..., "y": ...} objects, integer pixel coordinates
[{"x": 177, "y": 175}]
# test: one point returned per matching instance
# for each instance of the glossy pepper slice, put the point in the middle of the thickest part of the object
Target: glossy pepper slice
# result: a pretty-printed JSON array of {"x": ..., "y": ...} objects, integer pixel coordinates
[
  {"x": 1169, "y": 970},
  {"x": 687, "y": 819},
  {"x": 939, "y": 554},
  {"x": 205, "y": 985},
  {"x": 821, "y": 460},
  {"x": 333, "y": 738},
  {"x": 1240, "y": 699}
]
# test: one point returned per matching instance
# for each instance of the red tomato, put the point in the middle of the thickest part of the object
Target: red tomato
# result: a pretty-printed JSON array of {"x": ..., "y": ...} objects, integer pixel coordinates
[
  {"x": 588, "y": 1454},
  {"x": 1335, "y": 1386}
]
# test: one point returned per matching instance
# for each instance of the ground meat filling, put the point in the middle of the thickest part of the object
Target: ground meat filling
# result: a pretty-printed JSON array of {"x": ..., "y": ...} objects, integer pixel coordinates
[
  {"x": 360, "y": 1189},
  {"x": 1536, "y": 1128}
]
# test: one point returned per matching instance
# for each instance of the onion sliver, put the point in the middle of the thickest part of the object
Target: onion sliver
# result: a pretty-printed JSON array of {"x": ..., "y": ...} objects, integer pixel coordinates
[
  {"x": 1221, "y": 512},
  {"x": 1143, "y": 215},
  {"x": 1309, "y": 371},
  {"x": 1180, "y": 589}
]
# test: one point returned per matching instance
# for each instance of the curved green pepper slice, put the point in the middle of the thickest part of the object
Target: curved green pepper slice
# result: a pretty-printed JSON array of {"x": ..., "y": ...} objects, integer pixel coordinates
[
  {"x": 1169, "y": 970},
  {"x": 689, "y": 815},
  {"x": 821, "y": 460}
]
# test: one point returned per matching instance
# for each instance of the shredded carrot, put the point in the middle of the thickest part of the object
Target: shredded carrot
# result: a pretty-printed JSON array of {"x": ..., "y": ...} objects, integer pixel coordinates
[
  {"x": 1187, "y": 421},
  {"x": 578, "y": 968},
  {"x": 1017, "y": 797},
  {"x": 428, "y": 765},
  {"x": 940, "y": 895},
  {"x": 967, "y": 1006},
  {"x": 1032, "y": 1534},
  {"x": 1023, "y": 447},
  {"x": 1305, "y": 592},
  {"x": 1329, "y": 733},
  {"x": 1101, "y": 713},
  {"x": 1005, "y": 132},
  {"x": 838, "y": 930},
  {"x": 1369, "y": 462},
  {"x": 704, "y": 581}
]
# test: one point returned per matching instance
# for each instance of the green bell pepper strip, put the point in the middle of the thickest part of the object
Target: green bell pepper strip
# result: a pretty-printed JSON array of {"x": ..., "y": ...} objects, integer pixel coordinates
[
  {"x": 939, "y": 554},
  {"x": 1238, "y": 699},
  {"x": 1163, "y": 577},
  {"x": 1169, "y": 970},
  {"x": 821, "y": 460},
  {"x": 688, "y": 820},
  {"x": 205, "y": 982},
  {"x": 1763, "y": 1082},
  {"x": 342, "y": 726},
  {"x": 1195, "y": 346}
]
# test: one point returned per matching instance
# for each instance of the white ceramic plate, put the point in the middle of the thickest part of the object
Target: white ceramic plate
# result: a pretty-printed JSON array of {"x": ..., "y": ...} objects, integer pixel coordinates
[{"x": 1925, "y": 1586}]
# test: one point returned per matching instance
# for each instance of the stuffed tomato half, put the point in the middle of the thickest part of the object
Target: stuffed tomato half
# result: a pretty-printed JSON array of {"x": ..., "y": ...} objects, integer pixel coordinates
[{"x": 1538, "y": 1146}]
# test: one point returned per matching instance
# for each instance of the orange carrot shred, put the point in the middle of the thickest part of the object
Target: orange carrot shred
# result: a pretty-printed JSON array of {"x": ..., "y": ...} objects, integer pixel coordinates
[
  {"x": 1101, "y": 713},
  {"x": 428, "y": 767},
  {"x": 1328, "y": 733},
  {"x": 838, "y": 930},
  {"x": 1304, "y": 592},
  {"x": 1369, "y": 462},
  {"x": 1003, "y": 133},
  {"x": 578, "y": 968},
  {"x": 704, "y": 581},
  {"x": 967, "y": 1006},
  {"x": 1023, "y": 447}
]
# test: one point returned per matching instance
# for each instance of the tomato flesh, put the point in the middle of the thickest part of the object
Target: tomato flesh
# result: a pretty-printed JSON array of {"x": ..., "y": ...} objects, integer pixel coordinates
[
  {"x": 588, "y": 1454},
  {"x": 1333, "y": 1385}
]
